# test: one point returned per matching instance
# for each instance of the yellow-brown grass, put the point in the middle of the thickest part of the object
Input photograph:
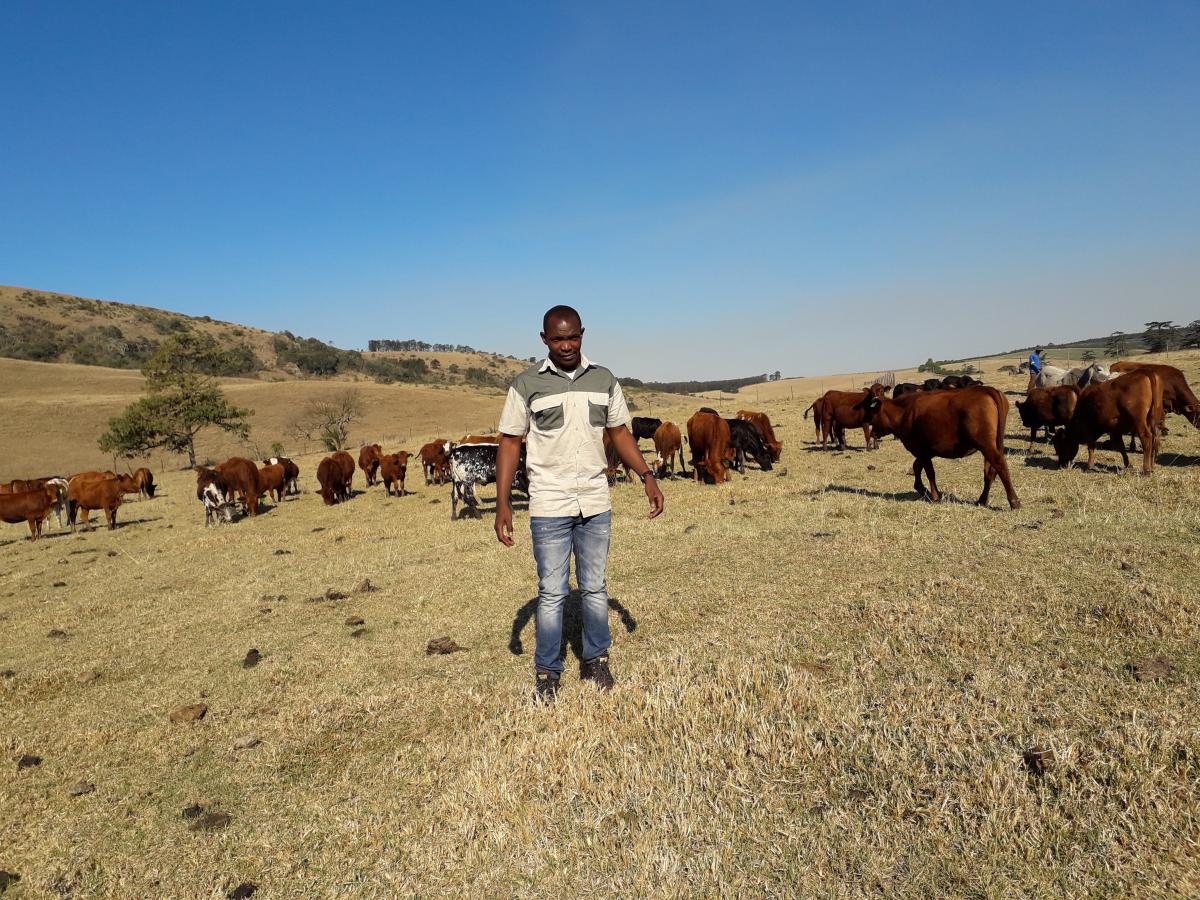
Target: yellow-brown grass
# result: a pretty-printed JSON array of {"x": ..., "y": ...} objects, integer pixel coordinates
[{"x": 825, "y": 688}]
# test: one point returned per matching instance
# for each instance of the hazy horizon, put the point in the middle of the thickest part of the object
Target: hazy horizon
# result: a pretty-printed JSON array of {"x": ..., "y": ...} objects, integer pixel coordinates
[{"x": 720, "y": 190}]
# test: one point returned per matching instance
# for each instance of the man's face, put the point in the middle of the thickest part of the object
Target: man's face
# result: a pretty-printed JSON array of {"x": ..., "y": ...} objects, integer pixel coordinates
[{"x": 563, "y": 340}]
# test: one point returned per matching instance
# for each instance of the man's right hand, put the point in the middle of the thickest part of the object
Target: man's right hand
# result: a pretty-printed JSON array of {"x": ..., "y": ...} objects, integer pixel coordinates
[{"x": 504, "y": 525}]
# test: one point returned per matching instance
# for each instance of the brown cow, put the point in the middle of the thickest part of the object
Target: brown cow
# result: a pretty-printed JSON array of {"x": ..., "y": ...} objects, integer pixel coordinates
[
  {"x": 272, "y": 481},
  {"x": 29, "y": 506},
  {"x": 145, "y": 482},
  {"x": 612, "y": 460},
  {"x": 368, "y": 461},
  {"x": 241, "y": 478},
  {"x": 838, "y": 410},
  {"x": 1047, "y": 408},
  {"x": 291, "y": 472},
  {"x": 667, "y": 442},
  {"x": 332, "y": 478},
  {"x": 36, "y": 484},
  {"x": 435, "y": 461},
  {"x": 949, "y": 425},
  {"x": 1177, "y": 394},
  {"x": 708, "y": 435},
  {"x": 97, "y": 490},
  {"x": 480, "y": 439},
  {"x": 1131, "y": 404},
  {"x": 762, "y": 422},
  {"x": 346, "y": 461},
  {"x": 392, "y": 469}
]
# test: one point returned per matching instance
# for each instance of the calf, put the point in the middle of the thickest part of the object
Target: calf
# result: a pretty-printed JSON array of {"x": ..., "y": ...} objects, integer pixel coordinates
[
  {"x": 949, "y": 425},
  {"x": 212, "y": 491},
  {"x": 331, "y": 476},
  {"x": 1131, "y": 404},
  {"x": 435, "y": 461},
  {"x": 368, "y": 461},
  {"x": 291, "y": 472},
  {"x": 667, "y": 442},
  {"x": 708, "y": 435},
  {"x": 1047, "y": 408},
  {"x": 475, "y": 464},
  {"x": 763, "y": 423},
  {"x": 392, "y": 469},
  {"x": 272, "y": 481},
  {"x": 644, "y": 427},
  {"x": 31, "y": 507},
  {"x": 744, "y": 440}
]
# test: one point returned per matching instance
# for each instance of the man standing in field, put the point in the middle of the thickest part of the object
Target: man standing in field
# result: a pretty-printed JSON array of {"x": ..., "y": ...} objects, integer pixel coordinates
[
  {"x": 562, "y": 407},
  {"x": 1035, "y": 367}
]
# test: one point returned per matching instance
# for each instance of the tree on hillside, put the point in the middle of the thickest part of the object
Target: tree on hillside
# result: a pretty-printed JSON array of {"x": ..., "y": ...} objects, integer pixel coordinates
[
  {"x": 328, "y": 421},
  {"x": 1088, "y": 356},
  {"x": 1158, "y": 336},
  {"x": 181, "y": 400},
  {"x": 1117, "y": 345},
  {"x": 1191, "y": 334}
]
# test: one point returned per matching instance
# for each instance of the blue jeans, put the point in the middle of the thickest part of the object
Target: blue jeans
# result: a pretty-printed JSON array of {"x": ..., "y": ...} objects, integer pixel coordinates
[{"x": 554, "y": 538}]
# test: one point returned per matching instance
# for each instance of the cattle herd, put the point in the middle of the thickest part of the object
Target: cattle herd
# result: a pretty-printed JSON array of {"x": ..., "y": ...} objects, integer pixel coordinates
[{"x": 943, "y": 418}]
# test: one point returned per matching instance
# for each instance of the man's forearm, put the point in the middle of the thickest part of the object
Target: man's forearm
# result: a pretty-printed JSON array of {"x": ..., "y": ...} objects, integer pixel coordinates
[
  {"x": 507, "y": 457},
  {"x": 627, "y": 449}
]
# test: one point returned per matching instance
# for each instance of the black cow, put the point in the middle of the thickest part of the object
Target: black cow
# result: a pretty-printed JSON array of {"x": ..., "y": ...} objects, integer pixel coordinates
[
  {"x": 475, "y": 464},
  {"x": 953, "y": 382},
  {"x": 745, "y": 438},
  {"x": 905, "y": 388},
  {"x": 643, "y": 427},
  {"x": 929, "y": 384}
]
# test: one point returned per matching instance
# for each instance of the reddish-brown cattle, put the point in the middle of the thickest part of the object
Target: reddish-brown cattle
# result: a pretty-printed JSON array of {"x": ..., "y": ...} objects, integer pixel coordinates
[
  {"x": 272, "y": 481},
  {"x": 241, "y": 478},
  {"x": 1176, "y": 393},
  {"x": 667, "y": 442},
  {"x": 392, "y": 470},
  {"x": 346, "y": 462},
  {"x": 97, "y": 490},
  {"x": 612, "y": 459},
  {"x": 435, "y": 461},
  {"x": 762, "y": 422},
  {"x": 332, "y": 479},
  {"x": 480, "y": 439},
  {"x": 291, "y": 472},
  {"x": 947, "y": 425},
  {"x": 31, "y": 507},
  {"x": 839, "y": 410},
  {"x": 1047, "y": 408},
  {"x": 1131, "y": 404},
  {"x": 145, "y": 482},
  {"x": 368, "y": 461},
  {"x": 708, "y": 435}
]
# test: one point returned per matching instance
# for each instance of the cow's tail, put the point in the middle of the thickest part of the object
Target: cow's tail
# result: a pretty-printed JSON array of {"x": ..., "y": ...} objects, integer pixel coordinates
[
  {"x": 1156, "y": 408},
  {"x": 810, "y": 409},
  {"x": 1001, "y": 418}
]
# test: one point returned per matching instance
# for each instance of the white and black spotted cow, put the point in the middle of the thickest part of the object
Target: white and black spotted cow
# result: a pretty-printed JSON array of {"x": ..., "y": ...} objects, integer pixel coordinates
[
  {"x": 475, "y": 464},
  {"x": 217, "y": 500}
]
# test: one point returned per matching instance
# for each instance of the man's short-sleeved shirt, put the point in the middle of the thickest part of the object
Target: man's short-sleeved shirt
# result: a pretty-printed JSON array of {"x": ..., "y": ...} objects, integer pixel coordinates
[
  {"x": 563, "y": 417},
  {"x": 1035, "y": 362}
]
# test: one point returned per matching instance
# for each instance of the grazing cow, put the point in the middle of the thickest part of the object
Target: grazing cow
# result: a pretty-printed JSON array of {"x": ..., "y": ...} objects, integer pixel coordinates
[
  {"x": 331, "y": 476},
  {"x": 667, "y": 442},
  {"x": 906, "y": 387},
  {"x": 612, "y": 460},
  {"x": 272, "y": 481},
  {"x": 368, "y": 461},
  {"x": 145, "y": 482},
  {"x": 212, "y": 491},
  {"x": 241, "y": 478},
  {"x": 839, "y": 411},
  {"x": 291, "y": 472},
  {"x": 949, "y": 425},
  {"x": 31, "y": 507},
  {"x": 931, "y": 384},
  {"x": 435, "y": 461},
  {"x": 643, "y": 427},
  {"x": 346, "y": 462},
  {"x": 708, "y": 435},
  {"x": 1047, "y": 408},
  {"x": 744, "y": 438},
  {"x": 392, "y": 469},
  {"x": 1176, "y": 394},
  {"x": 1131, "y": 404},
  {"x": 763, "y": 423},
  {"x": 97, "y": 490},
  {"x": 475, "y": 464}
]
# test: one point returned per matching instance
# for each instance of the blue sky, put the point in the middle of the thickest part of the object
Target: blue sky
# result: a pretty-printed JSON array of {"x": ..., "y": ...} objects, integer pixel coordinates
[{"x": 721, "y": 188}]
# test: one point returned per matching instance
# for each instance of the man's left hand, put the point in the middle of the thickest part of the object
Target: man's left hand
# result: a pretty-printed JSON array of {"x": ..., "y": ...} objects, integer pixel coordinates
[{"x": 655, "y": 496}]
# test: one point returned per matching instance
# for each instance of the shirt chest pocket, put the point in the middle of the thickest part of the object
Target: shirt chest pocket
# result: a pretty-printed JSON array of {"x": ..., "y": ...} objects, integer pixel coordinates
[
  {"x": 597, "y": 405},
  {"x": 548, "y": 412}
]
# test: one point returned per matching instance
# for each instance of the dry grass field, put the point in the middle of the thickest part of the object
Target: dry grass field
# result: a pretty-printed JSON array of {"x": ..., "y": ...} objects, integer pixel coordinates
[{"x": 825, "y": 687}]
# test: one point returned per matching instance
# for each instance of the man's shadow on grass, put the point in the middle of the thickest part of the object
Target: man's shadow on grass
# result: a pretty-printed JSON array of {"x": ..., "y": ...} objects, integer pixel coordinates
[{"x": 572, "y": 624}]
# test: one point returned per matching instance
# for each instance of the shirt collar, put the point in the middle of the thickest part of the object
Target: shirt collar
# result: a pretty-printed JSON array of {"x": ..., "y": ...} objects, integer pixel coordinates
[{"x": 584, "y": 365}]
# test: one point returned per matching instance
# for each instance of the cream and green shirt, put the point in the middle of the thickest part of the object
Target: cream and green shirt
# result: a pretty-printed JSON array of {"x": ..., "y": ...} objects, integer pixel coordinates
[{"x": 564, "y": 416}]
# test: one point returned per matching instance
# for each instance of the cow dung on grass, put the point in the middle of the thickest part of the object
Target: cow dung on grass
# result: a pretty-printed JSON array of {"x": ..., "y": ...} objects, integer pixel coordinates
[{"x": 193, "y": 712}]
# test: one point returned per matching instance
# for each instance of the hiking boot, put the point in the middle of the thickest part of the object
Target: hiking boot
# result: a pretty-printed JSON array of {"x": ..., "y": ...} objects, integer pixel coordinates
[
  {"x": 545, "y": 688},
  {"x": 596, "y": 670}
]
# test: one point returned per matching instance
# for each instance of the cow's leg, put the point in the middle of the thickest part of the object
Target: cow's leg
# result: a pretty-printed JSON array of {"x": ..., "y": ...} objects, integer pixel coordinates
[
  {"x": 33, "y": 529},
  {"x": 1118, "y": 441},
  {"x": 867, "y": 436},
  {"x": 453, "y": 498},
  {"x": 1091, "y": 455},
  {"x": 111, "y": 515},
  {"x": 1032, "y": 438},
  {"x": 1148, "y": 447}
]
